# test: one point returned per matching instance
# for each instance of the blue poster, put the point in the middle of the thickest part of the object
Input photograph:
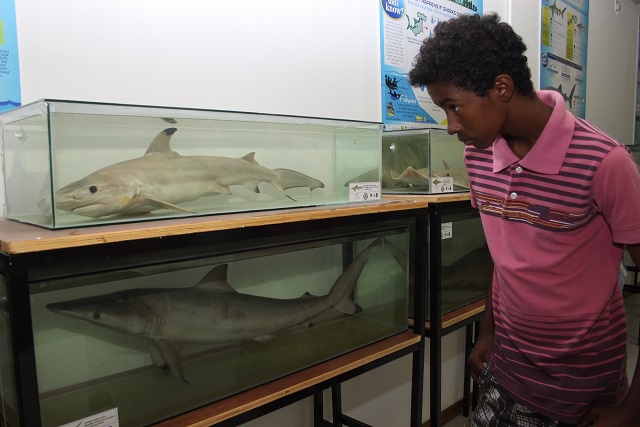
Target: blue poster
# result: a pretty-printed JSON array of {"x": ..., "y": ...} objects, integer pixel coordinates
[
  {"x": 563, "y": 50},
  {"x": 9, "y": 70},
  {"x": 404, "y": 24}
]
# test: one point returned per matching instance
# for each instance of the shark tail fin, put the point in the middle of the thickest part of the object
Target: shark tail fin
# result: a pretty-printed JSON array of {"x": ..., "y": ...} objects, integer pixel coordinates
[
  {"x": 342, "y": 290},
  {"x": 288, "y": 178}
]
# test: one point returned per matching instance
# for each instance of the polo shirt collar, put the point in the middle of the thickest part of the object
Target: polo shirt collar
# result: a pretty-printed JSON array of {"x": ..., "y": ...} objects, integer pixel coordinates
[{"x": 547, "y": 154}]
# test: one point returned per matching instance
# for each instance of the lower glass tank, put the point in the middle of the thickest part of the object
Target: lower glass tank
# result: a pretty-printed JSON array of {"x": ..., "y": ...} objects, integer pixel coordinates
[
  {"x": 467, "y": 268},
  {"x": 161, "y": 339}
]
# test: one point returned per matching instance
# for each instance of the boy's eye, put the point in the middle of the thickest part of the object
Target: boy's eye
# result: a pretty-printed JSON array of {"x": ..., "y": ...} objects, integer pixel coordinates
[{"x": 455, "y": 108}]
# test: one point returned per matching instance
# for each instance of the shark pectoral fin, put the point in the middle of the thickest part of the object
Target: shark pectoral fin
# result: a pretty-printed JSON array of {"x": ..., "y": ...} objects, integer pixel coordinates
[
  {"x": 169, "y": 352},
  {"x": 280, "y": 189},
  {"x": 348, "y": 306},
  {"x": 157, "y": 357},
  {"x": 221, "y": 189},
  {"x": 252, "y": 186},
  {"x": 170, "y": 206}
]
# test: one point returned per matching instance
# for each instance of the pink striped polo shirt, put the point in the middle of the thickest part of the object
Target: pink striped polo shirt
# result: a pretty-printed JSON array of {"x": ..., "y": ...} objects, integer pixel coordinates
[{"x": 555, "y": 223}]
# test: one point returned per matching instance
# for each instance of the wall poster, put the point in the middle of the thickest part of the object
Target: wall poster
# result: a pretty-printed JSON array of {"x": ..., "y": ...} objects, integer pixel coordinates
[
  {"x": 404, "y": 24},
  {"x": 9, "y": 70},
  {"x": 563, "y": 50}
]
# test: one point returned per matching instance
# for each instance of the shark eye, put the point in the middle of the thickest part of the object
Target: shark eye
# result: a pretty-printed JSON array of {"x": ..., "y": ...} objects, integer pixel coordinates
[
  {"x": 93, "y": 189},
  {"x": 96, "y": 315}
]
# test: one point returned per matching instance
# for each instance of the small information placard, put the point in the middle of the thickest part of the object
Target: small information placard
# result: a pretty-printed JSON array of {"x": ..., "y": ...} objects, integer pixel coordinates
[
  {"x": 446, "y": 230},
  {"x": 103, "y": 419},
  {"x": 442, "y": 185},
  {"x": 364, "y": 191}
]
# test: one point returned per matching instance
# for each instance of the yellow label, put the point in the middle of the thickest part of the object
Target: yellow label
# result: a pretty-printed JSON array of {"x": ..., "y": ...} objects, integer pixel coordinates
[
  {"x": 546, "y": 26},
  {"x": 570, "y": 35}
]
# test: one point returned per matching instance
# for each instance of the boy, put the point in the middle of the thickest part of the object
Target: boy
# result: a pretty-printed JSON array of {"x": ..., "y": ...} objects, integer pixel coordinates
[{"x": 559, "y": 200}]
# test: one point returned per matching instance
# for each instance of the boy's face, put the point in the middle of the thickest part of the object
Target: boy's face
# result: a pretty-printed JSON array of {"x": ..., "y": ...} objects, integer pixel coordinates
[{"x": 475, "y": 120}]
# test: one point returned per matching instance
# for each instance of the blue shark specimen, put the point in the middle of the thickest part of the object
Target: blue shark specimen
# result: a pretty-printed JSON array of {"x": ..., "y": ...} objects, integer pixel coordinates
[
  {"x": 210, "y": 312},
  {"x": 162, "y": 178}
]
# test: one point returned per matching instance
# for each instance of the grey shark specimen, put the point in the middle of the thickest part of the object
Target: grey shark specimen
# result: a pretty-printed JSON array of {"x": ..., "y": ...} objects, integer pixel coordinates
[
  {"x": 210, "y": 312},
  {"x": 162, "y": 178}
]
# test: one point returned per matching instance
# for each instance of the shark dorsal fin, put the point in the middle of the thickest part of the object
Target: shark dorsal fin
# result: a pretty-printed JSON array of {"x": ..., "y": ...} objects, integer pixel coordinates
[
  {"x": 250, "y": 158},
  {"x": 216, "y": 280},
  {"x": 160, "y": 143},
  {"x": 446, "y": 165}
]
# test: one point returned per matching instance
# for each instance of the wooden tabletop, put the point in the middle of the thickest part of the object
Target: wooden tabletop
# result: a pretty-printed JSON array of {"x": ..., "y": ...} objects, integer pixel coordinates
[
  {"x": 18, "y": 238},
  {"x": 261, "y": 395}
]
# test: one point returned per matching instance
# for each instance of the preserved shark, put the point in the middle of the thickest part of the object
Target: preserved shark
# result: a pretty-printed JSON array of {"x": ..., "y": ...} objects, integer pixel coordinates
[
  {"x": 211, "y": 312},
  {"x": 162, "y": 179},
  {"x": 420, "y": 177}
]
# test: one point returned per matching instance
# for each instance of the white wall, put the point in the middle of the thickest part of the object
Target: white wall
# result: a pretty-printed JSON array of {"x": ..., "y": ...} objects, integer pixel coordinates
[
  {"x": 612, "y": 60},
  {"x": 612, "y": 67},
  {"x": 287, "y": 57},
  {"x": 279, "y": 56}
]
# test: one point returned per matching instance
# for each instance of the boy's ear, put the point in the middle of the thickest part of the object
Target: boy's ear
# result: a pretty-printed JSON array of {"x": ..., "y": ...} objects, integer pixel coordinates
[{"x": 503, "y": 87}]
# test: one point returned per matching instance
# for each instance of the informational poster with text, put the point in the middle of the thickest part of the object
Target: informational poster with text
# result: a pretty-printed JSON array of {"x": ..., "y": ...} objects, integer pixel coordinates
[
  {"x": 563, "y": 50},
  {"x": 9, "y": 70},
  {"x": 404, "y": 24}
]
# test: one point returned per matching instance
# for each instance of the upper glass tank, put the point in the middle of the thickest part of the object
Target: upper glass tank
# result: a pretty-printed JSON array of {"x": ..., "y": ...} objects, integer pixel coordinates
[
  {"x": 70, "y": 164},
  {"x": 423, "y": 161}
]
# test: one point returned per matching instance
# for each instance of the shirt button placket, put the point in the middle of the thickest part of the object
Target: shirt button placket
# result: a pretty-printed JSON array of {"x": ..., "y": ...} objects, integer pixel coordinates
[{"x": 513, "y": 195}]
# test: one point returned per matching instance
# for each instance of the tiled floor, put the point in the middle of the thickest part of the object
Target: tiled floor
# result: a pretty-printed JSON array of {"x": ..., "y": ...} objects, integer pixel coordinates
[{"x": 632, "y": 305}]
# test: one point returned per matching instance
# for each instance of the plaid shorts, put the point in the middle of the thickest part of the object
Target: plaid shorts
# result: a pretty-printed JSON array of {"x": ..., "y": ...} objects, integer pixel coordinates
[{"x": 496, "y": 409}]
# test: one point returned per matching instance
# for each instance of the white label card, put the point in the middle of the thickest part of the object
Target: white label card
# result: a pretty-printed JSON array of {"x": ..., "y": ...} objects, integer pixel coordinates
[
  {"x": 442, "y": 185},
  {"x": 103, "y": 419},
  {"x": 364, "y": 191},
  {"x": 446, "y": 230}
]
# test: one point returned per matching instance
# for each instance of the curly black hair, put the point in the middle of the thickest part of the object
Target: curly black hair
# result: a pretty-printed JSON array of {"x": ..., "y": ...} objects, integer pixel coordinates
[{"x": 469, "y": 52}]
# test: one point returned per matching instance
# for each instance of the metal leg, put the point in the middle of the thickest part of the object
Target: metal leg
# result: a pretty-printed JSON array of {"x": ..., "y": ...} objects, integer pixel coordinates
[
  {"x": 468, "y": 346},
  {"x": 476, "y": 387}
]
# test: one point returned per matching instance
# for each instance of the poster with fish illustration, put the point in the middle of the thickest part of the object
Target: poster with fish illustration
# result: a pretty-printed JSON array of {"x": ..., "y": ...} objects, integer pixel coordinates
[
  {"x": 9, "y": 71},
  {"x": 563, "y": 50},
  {"x": 404, "y": 24}
]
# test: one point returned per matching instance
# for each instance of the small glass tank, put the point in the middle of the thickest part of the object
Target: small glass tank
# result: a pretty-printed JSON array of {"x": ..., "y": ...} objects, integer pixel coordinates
[
  {"x": 422, "y": 161},
  {"x": 71, "y": 164},
  {"x": 467, "y": 268},
  {"x": 150, "y": 336},
  {"x": 635, "y": 151}
]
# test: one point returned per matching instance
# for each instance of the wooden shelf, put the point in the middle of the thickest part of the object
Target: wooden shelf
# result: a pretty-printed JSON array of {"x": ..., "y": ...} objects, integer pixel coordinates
[
  {"x": 433, "y": 198},
  {"x": 270, "y": 392},
  {"x": 18, "y": 238},
  {"x": 459, "y": 315}
]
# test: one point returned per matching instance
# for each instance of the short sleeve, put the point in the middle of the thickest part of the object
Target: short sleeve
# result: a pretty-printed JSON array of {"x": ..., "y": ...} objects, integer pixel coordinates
[{"x": 616, "y": 195}]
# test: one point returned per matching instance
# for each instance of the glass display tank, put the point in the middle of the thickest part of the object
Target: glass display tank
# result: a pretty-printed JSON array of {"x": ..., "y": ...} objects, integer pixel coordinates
[
  {"x": 466, "y": 271},
  {"x": 460, "y": 263},
  {"x": 635, "y": 151},
  {"x": 154, "y": 333},
  {"x": 72, "y": 164},
  {"x": 422, "y": 161}
]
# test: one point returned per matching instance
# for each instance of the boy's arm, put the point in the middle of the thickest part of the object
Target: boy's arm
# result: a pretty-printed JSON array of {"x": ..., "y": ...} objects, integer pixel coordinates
[
  {"x": 481, "y": 353},
  {"x": 627, "y": 414}
]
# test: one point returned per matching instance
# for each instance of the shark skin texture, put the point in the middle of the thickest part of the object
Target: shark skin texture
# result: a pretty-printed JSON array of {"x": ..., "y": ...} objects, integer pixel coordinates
[
  {"x": 210, "y": 312},
  {"x": 162, "y": 179}
]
